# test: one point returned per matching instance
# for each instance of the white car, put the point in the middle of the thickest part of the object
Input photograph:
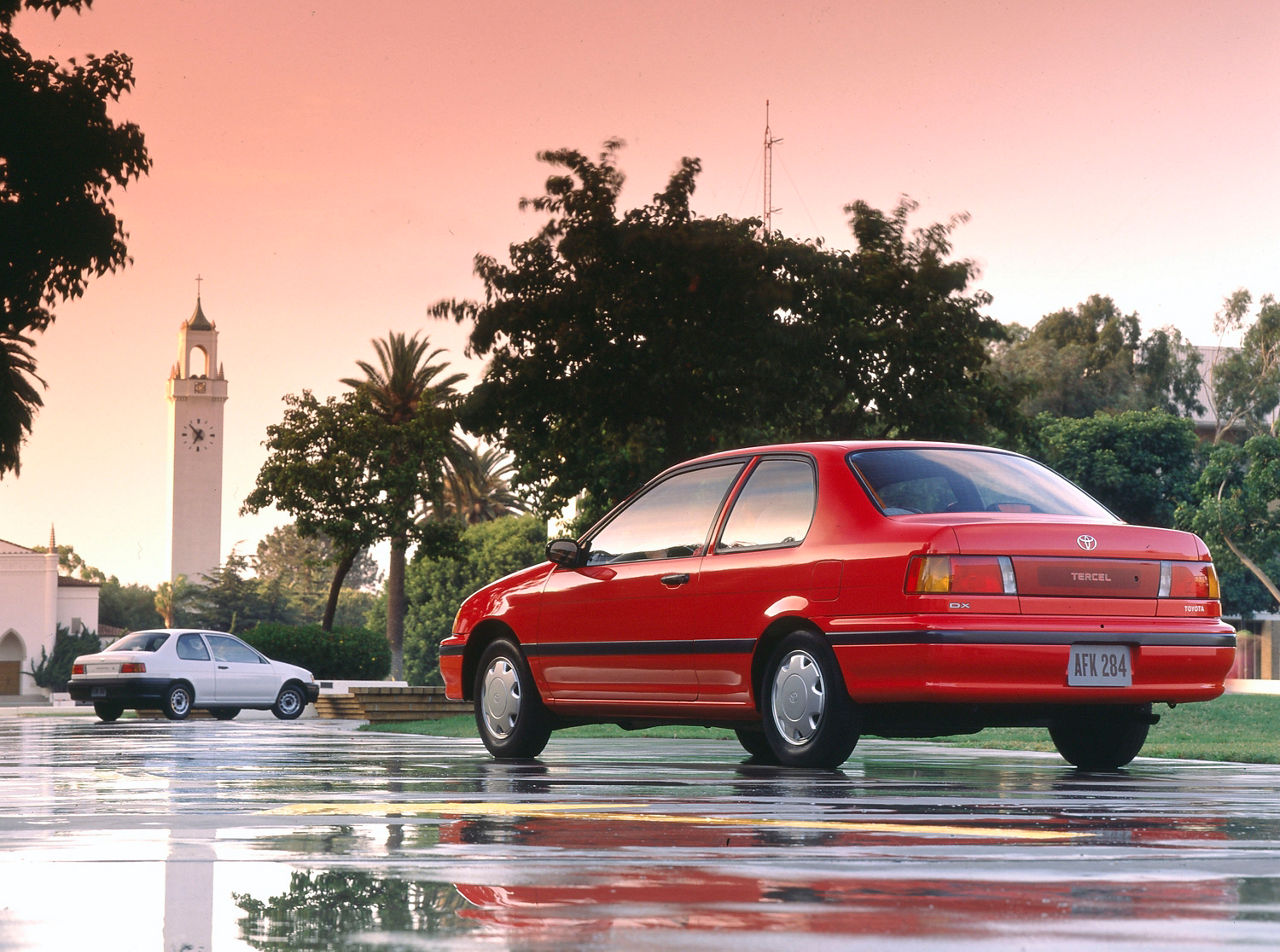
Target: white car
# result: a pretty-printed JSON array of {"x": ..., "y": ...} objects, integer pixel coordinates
[{"x": 179, "y": 670}]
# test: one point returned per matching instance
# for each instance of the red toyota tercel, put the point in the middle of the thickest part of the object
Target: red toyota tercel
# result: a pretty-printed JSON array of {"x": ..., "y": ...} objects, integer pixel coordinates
[{"x": 807, "y": 594}]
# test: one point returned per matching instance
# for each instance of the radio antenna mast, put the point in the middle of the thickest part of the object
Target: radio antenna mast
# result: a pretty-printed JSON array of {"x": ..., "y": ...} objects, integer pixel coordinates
[{"x": 766, "y": 219}]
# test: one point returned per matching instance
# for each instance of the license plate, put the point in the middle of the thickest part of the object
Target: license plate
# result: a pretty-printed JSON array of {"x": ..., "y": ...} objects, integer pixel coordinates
[
  {"x": 97, "y": 692},
  {"x": 1099, "y": 666}
]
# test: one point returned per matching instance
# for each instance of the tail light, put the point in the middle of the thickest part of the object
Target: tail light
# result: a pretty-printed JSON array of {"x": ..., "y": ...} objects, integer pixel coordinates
[
  {"x": 133, "y": 667},
  {"x": 961, "y": 575},
  {"x": 77, "y": 669},
  {"x": 1196, "y": 580}
]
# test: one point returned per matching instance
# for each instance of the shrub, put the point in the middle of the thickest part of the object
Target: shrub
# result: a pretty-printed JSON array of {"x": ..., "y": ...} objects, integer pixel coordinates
[
  {"x": 54, "y": 670},
  {"x": 346, "y": 654}
]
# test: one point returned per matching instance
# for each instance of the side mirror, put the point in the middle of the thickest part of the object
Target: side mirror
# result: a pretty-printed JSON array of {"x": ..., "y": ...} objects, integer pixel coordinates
[{"x": 566, "y": 553}]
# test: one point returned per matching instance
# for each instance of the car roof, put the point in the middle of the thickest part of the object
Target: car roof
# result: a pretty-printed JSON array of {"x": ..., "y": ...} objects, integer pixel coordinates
[{"x": 835, "y": 448}]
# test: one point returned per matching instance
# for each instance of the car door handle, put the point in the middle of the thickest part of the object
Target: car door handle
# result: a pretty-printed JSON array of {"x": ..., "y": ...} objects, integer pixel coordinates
[
  {"x": 681, "y": 578},
  {"x": 223, "y": 667}
]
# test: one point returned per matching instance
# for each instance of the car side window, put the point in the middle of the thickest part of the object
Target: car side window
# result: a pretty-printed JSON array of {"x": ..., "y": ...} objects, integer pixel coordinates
[
  {"x": 229, "y": 649},
  {"x": 191, "y": 648},
  {"x": 670, "y": 520},
  {"x": 774, "y": 508}
]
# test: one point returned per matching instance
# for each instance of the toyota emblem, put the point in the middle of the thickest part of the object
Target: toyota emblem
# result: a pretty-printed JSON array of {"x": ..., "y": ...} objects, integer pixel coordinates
[{"x": 1087, "y": 542}]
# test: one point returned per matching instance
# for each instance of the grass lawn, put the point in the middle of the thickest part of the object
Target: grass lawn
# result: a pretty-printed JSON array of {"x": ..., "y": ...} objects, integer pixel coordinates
[{"x": 1238, "y": 727}]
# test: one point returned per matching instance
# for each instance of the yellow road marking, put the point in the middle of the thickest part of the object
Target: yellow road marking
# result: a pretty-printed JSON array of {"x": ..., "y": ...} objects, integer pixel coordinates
[{"x": 627, "y": 813}]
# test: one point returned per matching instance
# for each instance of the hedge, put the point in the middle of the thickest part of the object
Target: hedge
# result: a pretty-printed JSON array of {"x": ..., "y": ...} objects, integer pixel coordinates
[{"x": 344, "y": 654}]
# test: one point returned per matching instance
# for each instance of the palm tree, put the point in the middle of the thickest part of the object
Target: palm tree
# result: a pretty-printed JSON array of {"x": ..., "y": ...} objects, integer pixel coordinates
[
  {"x": 405, "y": 383},
  {"x": 19, "y": 398},
  {"x": 477, "y": 487},
  {"x": 168, "y": 595}
]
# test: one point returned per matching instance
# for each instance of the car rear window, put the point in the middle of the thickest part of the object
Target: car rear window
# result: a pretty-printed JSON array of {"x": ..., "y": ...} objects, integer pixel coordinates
[
  {"x": 905, "y": 481},
  {"x": 140, "y": 641}
]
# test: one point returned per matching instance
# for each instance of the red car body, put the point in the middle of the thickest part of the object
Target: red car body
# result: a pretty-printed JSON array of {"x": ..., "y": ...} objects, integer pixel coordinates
[{"x": 941, "y": 616}]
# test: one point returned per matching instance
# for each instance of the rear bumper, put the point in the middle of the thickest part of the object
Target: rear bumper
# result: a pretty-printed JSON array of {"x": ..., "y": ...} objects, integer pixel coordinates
[
  {"x": 1027, "y": 666},
  {"x": 130, "y": 692}
]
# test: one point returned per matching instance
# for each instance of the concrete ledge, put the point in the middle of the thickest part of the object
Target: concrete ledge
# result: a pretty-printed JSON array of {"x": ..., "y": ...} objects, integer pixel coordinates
[
  {"x": 386, "y": 702},
  {"x": 1252, "y": 686}
]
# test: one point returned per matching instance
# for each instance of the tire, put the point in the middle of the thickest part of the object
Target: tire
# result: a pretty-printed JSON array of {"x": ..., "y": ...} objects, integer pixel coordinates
[
  {"x": 177, "y": 702},
  {"x": 223, "y": 713},
  {"x": 290, "y": 703},
  {"x": 1102, "y": 738},
  {"x": 756, "y": 744},
  {"x": 809, "y": 719},
  {"x": 513, "y": 722},
  {"x": 108, "y": 710}
]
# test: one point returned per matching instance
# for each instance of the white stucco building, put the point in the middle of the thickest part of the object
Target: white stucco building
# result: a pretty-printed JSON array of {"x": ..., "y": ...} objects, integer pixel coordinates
[{"x": 34, "y": 601}]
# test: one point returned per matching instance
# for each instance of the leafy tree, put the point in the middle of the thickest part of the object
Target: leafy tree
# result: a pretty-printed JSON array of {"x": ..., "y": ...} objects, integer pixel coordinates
[
  {"x": 72, "y": 565},
  {"x": 415, "y": 406},
  {"x": 300, "y": 568},
  {"x": 620, "y": 343},
  {"x": 321, "y": 468},
  {"x": 1140, "y": 464},
  {"x": 60, "y": 157},
  {"x": 1235, "y": 512},
  {"x": 130, "y": 607},
  {"x": 1245, "y": 381},
  {"x": 435, "y": 588},
  {"x": 228, "y": 600},
  {"x": 1074, "y": 363}
]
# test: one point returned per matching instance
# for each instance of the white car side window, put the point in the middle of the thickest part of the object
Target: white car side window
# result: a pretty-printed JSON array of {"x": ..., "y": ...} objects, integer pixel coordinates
[{"x": 191, "y": 648}]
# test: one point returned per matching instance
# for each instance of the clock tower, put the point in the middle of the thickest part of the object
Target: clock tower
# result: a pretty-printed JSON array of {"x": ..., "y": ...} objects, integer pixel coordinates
[{"x": 197, "y": 391}]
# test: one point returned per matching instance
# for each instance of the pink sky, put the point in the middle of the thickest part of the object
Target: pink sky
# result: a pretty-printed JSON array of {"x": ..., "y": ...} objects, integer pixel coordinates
[{"x": 331, "y": 169}]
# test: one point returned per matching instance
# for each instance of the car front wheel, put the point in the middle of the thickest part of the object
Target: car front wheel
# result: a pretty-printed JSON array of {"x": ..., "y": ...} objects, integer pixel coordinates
[
  {"x": 177, "y": 703},
  {"x": 512, "y": 720},
  {"x": 809, "y": 720},
  {"x": 108, "y": 710},
  {"x": 290, "y": 703},
  {"x": 1102, "y": 738}
]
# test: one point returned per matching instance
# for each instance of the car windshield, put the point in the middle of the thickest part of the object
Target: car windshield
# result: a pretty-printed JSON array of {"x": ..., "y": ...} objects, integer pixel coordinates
[
  {"x": 906, "y": 481},
  {"x": 140, "y": 641}
]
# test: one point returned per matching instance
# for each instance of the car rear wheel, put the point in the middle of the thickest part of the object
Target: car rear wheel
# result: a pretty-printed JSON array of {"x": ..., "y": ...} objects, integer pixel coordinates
[
  {"x": 108, "y": 710},
  {"x": 177, "y": 702},
  {"x": 224, "y": 713},
  {"x": 756, "y": 744},
  {"x": 290, "y": 703},
  {"x": 1102, "y": 738},
  {"x": 809, "y": 719},
  {"x": 513, "y": 722}
]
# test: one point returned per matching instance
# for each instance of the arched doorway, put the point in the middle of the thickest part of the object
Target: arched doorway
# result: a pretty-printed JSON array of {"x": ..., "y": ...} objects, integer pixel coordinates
[{"x": 12, "y": 654}]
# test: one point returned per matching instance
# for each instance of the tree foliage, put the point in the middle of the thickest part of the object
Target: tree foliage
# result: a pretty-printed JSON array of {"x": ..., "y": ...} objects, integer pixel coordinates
[
  {"x": 60, "y": 157},
  {"x": 300, "y": 569},
  {"x": 415, "y": 406},
  {"x": 1245, "y": 381},
  {"x": 1075, "y": 363},
  {"x": 435, "y": 588},
  {"x": 1139, "y": 464},
  {"x": 1236, "y": 513},
  {"x": 622, "y": 342}
]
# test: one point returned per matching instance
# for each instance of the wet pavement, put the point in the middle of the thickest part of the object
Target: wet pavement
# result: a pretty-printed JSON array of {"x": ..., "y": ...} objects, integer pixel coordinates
[{"x": 254, "y": 834}]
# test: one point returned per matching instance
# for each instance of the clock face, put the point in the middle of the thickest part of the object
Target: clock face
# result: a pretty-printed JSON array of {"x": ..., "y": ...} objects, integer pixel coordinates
[{"x": 197, "y": 435}]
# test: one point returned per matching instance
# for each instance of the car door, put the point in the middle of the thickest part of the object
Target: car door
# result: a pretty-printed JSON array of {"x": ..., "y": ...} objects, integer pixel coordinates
[
  {"x": 757, "y": 562},
  {"x": 197, "y": 666},
  {"x": 621, "y": 627},
  {"x": 243, "y": 675}
]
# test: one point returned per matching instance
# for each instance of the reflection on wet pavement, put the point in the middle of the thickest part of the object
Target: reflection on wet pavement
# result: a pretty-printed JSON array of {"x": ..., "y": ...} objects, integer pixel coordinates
[{"x": 309, "y": 835}]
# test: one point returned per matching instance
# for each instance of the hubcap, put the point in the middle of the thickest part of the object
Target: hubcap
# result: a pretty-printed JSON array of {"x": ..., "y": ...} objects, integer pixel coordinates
[
  {"x": 799, "y": 698},
  {"x": 501, "y": 698},
  {"x": 179, "y": 701},
  {"x": 289, "y": 702}
]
